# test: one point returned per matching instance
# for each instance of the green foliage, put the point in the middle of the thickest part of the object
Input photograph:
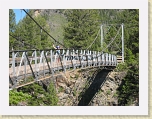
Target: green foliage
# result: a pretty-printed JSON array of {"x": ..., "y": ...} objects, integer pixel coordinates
[
  {"x": 76, "y": 76},
  {"x": 57, "y": 22},
  {"x": 108, "y": 92},
  {"x": 51, "y": 97},
  {"x": 61, "y": 89},
  {"x": 121, "y": 67},
  {"x": 29, "y": 79},
  {"x": 30, "y": 33},
  {"x": 35, "y": 95},
  {"x": 115, "y": 95},
  {"x": 109, "y": 16},
  {"x": 12, "y": 26},
  {"x": 16, "y": 97},
  {"x": 100, "y": 91},
  {"x": 12, "y": 21},
  {"x": 130, "y": 18},
  {"x": 129, "y": 89},
  {"x": 74, "y": 92},
  {"x": 82, "y": 28}
]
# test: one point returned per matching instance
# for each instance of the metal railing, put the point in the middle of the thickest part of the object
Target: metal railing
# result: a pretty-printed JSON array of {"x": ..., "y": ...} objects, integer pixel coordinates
[{"x": 38, "y": 64}]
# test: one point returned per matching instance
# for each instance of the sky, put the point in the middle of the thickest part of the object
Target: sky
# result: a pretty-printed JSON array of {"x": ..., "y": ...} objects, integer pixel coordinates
[{"x": 19, "y": 14}]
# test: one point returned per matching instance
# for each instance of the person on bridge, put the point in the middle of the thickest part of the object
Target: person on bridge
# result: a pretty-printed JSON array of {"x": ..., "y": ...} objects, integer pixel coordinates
[{"x": 57, "y": 51}]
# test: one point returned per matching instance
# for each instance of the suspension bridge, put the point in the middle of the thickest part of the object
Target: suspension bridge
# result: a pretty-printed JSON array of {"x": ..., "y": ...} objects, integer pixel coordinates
[
  {"x": 29, "y": 66},
  {"x": 42, "y": 64}
]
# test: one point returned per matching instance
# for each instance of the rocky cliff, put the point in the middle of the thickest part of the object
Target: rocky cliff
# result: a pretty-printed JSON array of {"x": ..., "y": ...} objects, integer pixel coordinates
[{"x": 93, "y": 87}]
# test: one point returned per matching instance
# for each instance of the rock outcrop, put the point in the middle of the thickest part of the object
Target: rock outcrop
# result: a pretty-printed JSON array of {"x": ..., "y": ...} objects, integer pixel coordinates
[{"x": 72, "y": 88}]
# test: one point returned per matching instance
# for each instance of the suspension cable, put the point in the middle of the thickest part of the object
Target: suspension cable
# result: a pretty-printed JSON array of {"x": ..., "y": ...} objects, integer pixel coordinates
[
  {"x": 112, "y": 40},
  {"x": 43, "y": 28},
  {"x": 21, "y": 14},
  {"x": 94, "y": 40}
]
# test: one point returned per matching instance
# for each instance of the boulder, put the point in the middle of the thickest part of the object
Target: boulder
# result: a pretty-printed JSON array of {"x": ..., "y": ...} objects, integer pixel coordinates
[
  {"x": 67, "y": 90},
  {"x": 65, "y": 96},
  {"x": 63, "y": 85}
]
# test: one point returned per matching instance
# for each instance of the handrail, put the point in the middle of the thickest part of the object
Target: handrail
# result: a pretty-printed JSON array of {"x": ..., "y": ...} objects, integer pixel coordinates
[{"x": 38, "y": 63}]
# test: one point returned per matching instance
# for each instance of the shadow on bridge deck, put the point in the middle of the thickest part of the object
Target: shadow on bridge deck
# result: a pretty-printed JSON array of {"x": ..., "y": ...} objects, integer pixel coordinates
[{"x": 97, "y": 81}]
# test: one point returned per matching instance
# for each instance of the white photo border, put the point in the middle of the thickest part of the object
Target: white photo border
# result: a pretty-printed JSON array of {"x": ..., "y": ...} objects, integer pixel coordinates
[{"x": 142, "y": 109}]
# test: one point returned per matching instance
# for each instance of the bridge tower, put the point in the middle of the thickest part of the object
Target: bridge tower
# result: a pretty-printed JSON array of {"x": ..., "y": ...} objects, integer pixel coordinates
[{"x": 112, "y": 39}]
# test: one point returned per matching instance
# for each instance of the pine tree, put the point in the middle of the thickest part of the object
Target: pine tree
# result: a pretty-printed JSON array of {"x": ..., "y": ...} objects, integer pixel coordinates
[
  {"x": 30, "y": 33},
  {"x": 82, "y": 28},
  {"x": 129, "y": 91},
  {"x": 12, "y": 26},
  {"x": 39, "y": 95}
]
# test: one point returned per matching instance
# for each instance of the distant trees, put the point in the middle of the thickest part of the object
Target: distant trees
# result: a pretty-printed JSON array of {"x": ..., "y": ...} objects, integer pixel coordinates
[
  {"x": 128, "y": 92},
  {"x": 82, "y": 28},
  {"x": 29, "y": 35},
  {"x": 12, "y": 26},
  {"x": 12, "y": 21}
]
